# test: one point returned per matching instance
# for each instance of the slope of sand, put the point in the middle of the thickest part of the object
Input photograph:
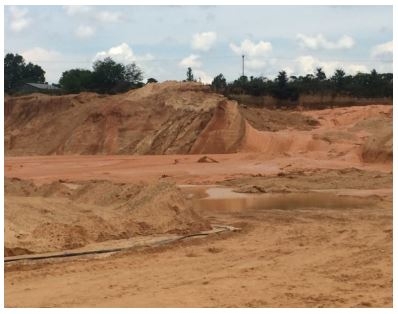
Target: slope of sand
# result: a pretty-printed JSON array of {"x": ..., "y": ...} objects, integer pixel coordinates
[
  {"x": 166, "y": 118},
  {"x": 161, "y": 119},
  {"x": 224, "y": 133},
  {"x": 181, "y": 118},
  {"x": 352, "y": 134},
  {"x": 60, "y": 216}
]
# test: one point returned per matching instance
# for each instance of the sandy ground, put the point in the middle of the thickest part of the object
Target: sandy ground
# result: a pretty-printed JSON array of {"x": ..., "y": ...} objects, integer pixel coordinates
[
  {"x": 290, "y": 258},
  {"x": 310, "y": 191},
  {"x": 339, "y": 256},
  {"x": 178, "y": 168}
]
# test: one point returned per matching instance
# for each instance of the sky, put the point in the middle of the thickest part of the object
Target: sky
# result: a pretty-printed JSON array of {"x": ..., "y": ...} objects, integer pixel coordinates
[{"x": 165, "y": 40}]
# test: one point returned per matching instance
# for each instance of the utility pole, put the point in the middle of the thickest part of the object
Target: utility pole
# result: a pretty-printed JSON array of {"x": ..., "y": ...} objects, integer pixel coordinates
[{"x": 243, "y": 65}]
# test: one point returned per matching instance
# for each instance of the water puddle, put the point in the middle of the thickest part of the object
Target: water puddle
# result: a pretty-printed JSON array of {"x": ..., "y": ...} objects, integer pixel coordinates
[{"x": 224, "y": 199}]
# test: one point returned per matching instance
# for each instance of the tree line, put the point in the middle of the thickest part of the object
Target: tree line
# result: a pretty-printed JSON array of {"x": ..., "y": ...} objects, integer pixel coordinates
[
  {"x": 107, "y": 76},
  {"x": 366, "y": 85},
  {"x": 111, "y": 77},
  {"x": 17, "y": 72}
]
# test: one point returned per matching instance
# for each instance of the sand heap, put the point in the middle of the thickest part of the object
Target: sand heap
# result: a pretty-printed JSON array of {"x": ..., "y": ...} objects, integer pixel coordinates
[
  {"x": 61, "y": 216},
  {"x": 358, "y": 134},
  {"x": 224, "y": 133},
  {"x": 156, "y": 119},
  {"x": 187, "y": 118}
]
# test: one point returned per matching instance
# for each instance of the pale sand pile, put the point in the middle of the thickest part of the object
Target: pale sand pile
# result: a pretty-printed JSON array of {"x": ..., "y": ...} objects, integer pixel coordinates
[
  {"x": 156, "y": 119},
  {"x": 166, "y": 118},
  {"x": 61, "y": 216}
]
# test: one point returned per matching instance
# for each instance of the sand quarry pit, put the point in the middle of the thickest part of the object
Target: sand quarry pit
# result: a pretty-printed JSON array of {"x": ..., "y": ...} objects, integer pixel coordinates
[{"x": 309, "y": 194}]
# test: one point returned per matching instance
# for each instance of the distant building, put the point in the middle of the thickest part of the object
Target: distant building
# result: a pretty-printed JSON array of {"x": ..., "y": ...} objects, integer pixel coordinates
[{"x": 39, "y": 87}]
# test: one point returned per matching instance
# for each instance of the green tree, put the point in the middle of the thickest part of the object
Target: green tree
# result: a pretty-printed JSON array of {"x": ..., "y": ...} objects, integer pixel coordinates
[
  {"x": 320, "y": 74},
  {"x": 219, "y": 83},
  {"x": 151, "y": 80},
  {"x": 133, "y": 74},
  {"x": 366, "y": 85},
  {"x": 112, "y": 77},
  {"x": 240, "y": 86},
  {"x": 13, "y": 69},
  {"x": 190, "y": 77},
  {"x": 280, "y": 89},
  {"x": 338, "y": 79},
  {"x": 257, "y": 86},
  {"x": 76, "y": 80},
  {"x": 282, "y": 79},
  {"x": 284, "y": 90},
  {"x": 17, "y": 72},
  {"x": 106, "y": 74}
]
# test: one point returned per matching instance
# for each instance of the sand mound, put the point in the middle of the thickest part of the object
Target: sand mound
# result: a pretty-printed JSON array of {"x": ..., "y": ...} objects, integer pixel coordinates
[
  {"x": 378, "y": 148},
  {"x": 156, "y": 119},
  {"x": 378, "y": 145},
  {"x": 355, "y": 134},
  {"x": 273, "y": 144},
  {"x": 166, "y": 118},
  {"x": 187, "y": 118},
  {"x": 224, "y": 133},
  {"x": 70, "y": 215},
  {"x": 264, "y": 119}
]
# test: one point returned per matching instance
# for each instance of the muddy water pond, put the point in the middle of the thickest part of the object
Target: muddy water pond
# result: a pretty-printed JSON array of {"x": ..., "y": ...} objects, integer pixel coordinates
[{"x": 225, "y": 199}]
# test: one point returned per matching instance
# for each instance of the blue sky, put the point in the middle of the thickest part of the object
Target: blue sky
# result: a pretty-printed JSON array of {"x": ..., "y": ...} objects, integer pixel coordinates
[{"x": 165, "y": 40}]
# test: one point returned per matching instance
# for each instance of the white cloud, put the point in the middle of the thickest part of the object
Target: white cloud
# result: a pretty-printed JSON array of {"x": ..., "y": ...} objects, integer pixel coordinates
[
  {"x": 73, "y": 10},
  {"x": 192, "y": 61},
  {"x": 19, "y": 20},
  {"x": 255, "y": 53},
  {"x": 123, "y": 53},
  {"x": 251, "y": 49},
  {"x": 38, "y": 54},
  {"x": 88, "y": 12},
  {"x": 203, "y": 41},
  {"x": 145, "y": 57},
  {"x": 320, "y": 42},
  {"x": 355, "y": 68},
  {"x": 52, "y": 62},
  {"x": 289, "y": 71},
  {"x": 307, "y": 65},
  {"x": 202, "y": 76},
  {"x": 84, "y": 31},
  {"x": 255, "y": 64},
  {"x": 108, "y": 17},
  {"x": 382, "y": 51}
]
